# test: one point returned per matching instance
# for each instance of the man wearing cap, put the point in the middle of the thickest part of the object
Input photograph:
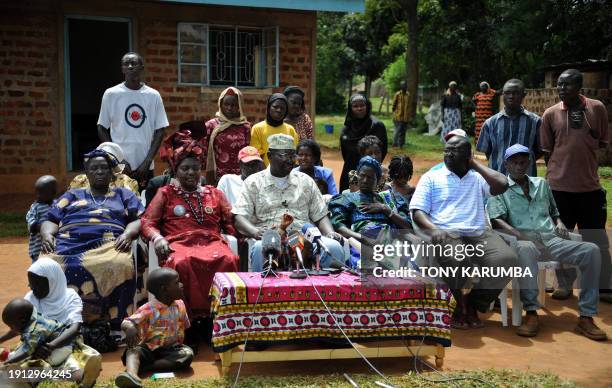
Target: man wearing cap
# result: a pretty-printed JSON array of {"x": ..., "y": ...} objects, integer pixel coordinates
[
  {"x": 448, "y": 206},
  {"x": 447, "y": 137},
  {"x": 514, "y": 124},
  {"x": 231, "y": 184},
  {"x": 277, "y": 190},
  {"x": 528, "y": 212}
]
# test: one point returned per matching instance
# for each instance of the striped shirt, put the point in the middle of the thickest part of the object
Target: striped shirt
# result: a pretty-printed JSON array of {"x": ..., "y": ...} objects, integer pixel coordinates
[
  {"x": 35, "y": 216},
  {"x": 500, "y": 131},
  {"x": 453, "y": 203}
]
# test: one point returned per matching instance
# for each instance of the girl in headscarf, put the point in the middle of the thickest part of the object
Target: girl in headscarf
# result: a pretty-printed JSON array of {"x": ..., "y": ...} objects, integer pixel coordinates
[
  {"x": 52, "y": 297},
  {"x": 276, "y": 111},
  {"x": 296, "y": 115},
  {"x": 226, "y": 135},
  {"x": 359, "y": 123},
  {"x": 451, "y": 110},
  {"x": 185, "y": 222}
]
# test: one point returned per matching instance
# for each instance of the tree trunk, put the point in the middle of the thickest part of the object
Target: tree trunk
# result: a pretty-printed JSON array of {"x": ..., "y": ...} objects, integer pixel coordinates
[
  {"x": 368, "y": 86},
  {"x": 412, "y": 55},
  {"x": 350, "y": 89}
]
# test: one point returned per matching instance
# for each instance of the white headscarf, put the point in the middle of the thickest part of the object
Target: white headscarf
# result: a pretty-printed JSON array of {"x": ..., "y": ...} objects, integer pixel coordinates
[{"x": 62, "y": 303}]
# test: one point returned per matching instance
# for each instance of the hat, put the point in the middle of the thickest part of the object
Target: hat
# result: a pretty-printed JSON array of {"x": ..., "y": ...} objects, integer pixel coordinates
[
  {"x": 281, "y": 142},
  {"x": 455, "y": 132},
  {"x": 515, "y": 149},
  {"x": 115, "y": 151},
  {"x": 248, "y": 154}
]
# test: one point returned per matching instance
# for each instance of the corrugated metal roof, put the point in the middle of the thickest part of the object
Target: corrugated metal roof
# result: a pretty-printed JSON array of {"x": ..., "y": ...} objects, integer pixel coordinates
[{"x": 302, "y": 5}]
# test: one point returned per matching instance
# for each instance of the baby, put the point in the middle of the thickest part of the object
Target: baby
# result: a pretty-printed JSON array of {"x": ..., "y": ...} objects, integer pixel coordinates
[{"x": 35, "y": 330}]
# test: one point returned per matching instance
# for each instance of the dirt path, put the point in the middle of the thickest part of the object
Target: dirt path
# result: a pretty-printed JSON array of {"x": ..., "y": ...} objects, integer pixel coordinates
[{"x": 557, "y": 349}]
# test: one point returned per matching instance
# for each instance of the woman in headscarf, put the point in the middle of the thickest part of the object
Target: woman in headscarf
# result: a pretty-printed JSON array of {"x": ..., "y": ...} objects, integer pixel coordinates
[
  {"x": 90, "y": 233},
  {"x": 297, "y": 116},
  {"x": 226, "y": 135},
  {"x": 451, "y": 110},
  {"x": 185, "y": 222},
  {"x": 358, "y": 123},
  {"x": 119, "y": 179},
  {"x": 483, "y": 101},
  {"x": 366, "y": 215},
  {"x": 276, "y": 111},
  {"x": 52, "y": 297}
]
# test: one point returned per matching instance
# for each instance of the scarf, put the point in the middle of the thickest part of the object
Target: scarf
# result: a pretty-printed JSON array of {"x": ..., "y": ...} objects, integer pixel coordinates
[
  {"x": 271, "y": 99},
  {"x": 355, "y": 129},
  {"x": 179, "y": 146},
  {"x": 61, "y": 300},
  {"x": 224, "y": 123}
]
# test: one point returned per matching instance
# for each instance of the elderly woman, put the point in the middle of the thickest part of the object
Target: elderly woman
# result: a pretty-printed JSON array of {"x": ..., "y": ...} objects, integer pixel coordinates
[
  {"x": 296, "y": 115},
  {"x": 309, "y": 156},
  {"x": 366, "y": 215},
  {"x": 358, "y": 124},
  {"x": 90, "y": 233},
  {"x": 52, "y": 298},
  {"x": 226, "y": 135},
  {"x": 185, "y": 221},
  {"x": 119, "y": 178}
]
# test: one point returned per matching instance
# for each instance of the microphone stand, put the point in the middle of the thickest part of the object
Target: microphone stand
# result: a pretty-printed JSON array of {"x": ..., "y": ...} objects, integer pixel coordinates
[
  {"x": 297, "y": 274},
  {"x": 318, "y": 271},
  {"x": 269, "y": 270}
]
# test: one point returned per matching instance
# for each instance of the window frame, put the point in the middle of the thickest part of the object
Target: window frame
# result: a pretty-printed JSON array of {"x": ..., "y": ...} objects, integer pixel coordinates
[{"x": 207, "y": 64}]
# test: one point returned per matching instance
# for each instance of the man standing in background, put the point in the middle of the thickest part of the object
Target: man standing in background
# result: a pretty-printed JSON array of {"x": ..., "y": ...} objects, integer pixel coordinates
[{"x": 401, "y": 115}]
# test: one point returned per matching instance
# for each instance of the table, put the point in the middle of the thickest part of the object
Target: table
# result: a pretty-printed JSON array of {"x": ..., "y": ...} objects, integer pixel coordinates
[{"x": 289, "y": 311}]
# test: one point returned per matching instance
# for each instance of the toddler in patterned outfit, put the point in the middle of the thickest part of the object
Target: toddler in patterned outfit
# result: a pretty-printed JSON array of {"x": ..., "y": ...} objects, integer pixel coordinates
[{"x": 155, "y": 333}]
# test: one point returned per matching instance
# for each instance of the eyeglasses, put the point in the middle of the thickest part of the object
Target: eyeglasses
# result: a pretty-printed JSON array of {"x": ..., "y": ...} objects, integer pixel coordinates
[{"x": 285, "y": 154}]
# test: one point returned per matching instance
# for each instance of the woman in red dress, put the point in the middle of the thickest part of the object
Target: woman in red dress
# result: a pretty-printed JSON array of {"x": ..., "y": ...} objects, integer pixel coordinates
[{"x": 185, "y": 222}]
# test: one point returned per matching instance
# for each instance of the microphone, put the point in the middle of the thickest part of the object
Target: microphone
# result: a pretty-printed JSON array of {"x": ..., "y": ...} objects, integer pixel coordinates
[
  {"x": 295, "y": 244},
  {"x": 313, "y": 236},
  {"x": 270, "y": 247},
  {"x": 338, "y": 265}
]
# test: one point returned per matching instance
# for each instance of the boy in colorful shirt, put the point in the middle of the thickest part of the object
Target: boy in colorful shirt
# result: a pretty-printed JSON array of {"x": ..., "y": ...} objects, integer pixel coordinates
[
  {"x": 46, "y": 189},
  {"x": 155, "y": 333}
]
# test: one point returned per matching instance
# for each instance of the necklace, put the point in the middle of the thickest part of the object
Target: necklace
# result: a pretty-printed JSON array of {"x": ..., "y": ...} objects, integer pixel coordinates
[
  {"x": 198, "y": 216},
  {"x": 98, "y": 204}
]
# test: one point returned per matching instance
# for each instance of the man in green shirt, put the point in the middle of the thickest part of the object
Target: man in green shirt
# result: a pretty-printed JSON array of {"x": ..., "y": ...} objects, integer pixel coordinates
[{"x": 527, "y": 210}]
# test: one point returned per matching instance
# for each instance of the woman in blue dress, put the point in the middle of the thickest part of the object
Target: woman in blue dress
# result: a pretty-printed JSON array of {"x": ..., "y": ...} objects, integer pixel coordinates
[{"x": 89, "y": 232}]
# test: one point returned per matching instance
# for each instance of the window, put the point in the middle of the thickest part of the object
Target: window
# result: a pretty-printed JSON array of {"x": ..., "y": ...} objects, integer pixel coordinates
[{"x": 227, "y": 55}]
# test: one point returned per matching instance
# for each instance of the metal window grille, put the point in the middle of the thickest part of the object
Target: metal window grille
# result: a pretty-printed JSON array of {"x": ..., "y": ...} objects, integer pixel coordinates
[{"x": 228, "y": 55}]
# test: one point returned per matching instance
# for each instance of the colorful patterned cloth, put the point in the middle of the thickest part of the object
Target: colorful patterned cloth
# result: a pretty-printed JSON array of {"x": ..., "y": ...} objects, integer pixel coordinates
[
  {"x": 289, "y": 310},
  {"x": 485, "y": 102},
  {"x": 40, "y": 330},
  {"x": 160, "y": 325}
]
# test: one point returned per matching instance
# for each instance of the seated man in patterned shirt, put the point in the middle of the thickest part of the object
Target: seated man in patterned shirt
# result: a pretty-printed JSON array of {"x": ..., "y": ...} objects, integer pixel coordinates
[{"x": 277, "y": 190}]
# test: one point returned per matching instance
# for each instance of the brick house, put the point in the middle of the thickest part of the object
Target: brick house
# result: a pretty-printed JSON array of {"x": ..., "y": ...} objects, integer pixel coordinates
[{"x": 58, "y": 57}]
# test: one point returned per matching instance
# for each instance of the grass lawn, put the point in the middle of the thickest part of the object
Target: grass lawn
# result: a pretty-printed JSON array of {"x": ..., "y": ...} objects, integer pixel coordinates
[
  {"x": 13, "y": 225},
  {"x": 497, "y": 378}
]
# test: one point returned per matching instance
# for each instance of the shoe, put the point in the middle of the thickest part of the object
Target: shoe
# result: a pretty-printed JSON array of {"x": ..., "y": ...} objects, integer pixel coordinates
[
  {"x": 549, "y": 290},
  {"x": 126, "y": 380},
  {"x": 471, "y": 318},
  {"x": 607, "y": 297},
  {"x": 589, "y": 329},
  {"x": 530, "y": 326},
  {"x": 561, "y": 294}
]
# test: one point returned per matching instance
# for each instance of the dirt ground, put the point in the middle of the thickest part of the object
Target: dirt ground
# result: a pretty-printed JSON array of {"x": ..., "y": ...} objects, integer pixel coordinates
[{"x": 556, "y": 349}]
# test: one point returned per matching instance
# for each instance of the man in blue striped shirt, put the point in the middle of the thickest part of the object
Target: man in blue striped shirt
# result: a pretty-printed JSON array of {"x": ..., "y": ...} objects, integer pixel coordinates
[{"x": 514, "y": 124}]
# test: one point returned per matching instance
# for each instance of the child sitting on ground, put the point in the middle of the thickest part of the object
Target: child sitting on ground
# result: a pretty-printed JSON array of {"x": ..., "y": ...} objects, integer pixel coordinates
[
  {"x": 155, "y": 333},
  {"x": 36, "y": 332},
  {"x": 45, "y": 188}
]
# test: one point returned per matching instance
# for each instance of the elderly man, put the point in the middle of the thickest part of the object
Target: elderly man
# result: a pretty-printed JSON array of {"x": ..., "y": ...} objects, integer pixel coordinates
[
  {"x": 528, "y": 212},
  {"x": 277, "y": 190},
  {"x": 514, "y": 124},
  {"x": 572, "y": 133},
  {"x": 448, "y": 205}
]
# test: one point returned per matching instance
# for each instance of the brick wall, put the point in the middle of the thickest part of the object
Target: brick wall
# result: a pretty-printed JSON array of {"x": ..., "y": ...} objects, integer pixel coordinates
[
  {"x": 28, "y": 95},
  {"x": 186, "y": 103}
]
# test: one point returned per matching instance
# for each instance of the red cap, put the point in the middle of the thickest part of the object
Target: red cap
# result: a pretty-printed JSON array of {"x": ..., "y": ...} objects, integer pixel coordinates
[{"x": 248, "y": 154}]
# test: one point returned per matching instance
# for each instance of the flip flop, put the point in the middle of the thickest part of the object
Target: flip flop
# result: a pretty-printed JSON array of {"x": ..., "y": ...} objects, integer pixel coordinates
[{"x": 126, "y": 380}]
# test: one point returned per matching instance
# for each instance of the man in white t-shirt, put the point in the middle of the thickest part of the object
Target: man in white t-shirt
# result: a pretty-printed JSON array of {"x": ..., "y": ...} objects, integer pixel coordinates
[
  {"x": 133, "y": 116},
  {"x": 250, "y": 163}
]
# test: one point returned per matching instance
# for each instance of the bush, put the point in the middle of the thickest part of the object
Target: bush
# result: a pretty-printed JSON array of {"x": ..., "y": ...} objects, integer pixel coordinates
[
  {"x": 329, "y": 100},
  {"x": 394, "y": 74}
]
